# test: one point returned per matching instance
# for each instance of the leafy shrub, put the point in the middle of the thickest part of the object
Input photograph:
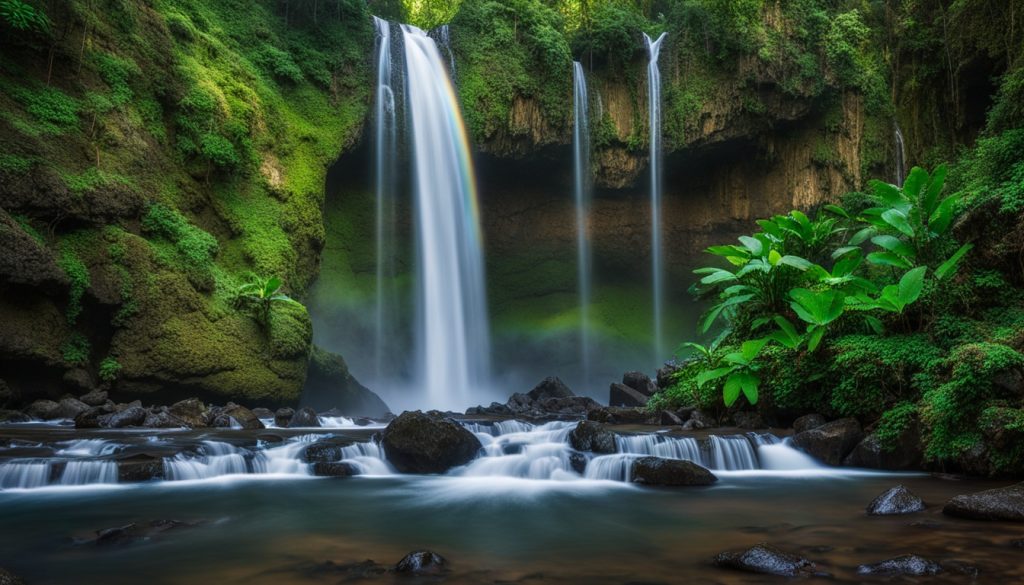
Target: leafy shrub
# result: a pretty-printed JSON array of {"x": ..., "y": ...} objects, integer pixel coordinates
[
  {"x": 109, "y": 369},
  {"x": 92, "y": 179},
  {"x": 219, "y": 150},
  {"x": 894, "y": 423},
  {"x": 56, "y": 111},
  {"x": 75, "y": 350},
  {"x": 279, "y": 64},
  {"x": 195, "y": 248},
  {"x": 21, "y": 15},
  {"x": 78, "y": 276},
  {"x": 117, "y": 72},
  {"x": 15, "y": 164},
  {"x": 872, "y": 373}
]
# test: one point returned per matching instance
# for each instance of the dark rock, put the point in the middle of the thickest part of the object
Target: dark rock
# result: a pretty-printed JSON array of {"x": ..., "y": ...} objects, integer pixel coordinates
[
  {"x": 326, "y": 450},
  {"x": 418, "y": 442},
  {"x": 192, "y": 411},
  {"x": 334, "y": 469},
  {"x": 136, "y": 532},
  {"x": 666, "y": 373},
  {"x": 42, "y": 410},
  {"x": 748, "y": 420},
  {"x": 161, "y": 418},
  {"x": 831, "y": 442},
  {"x": 69, "y": 408},
  {"x": 133, "y": 416},
  {"x": 808, "y": 422},
  {"x": 572, "y": 405},
  {"x": 243, "y": 416},
  {"x": 78, "y": 379},
  {"x": 996, "y": 504},
  {"x": 9, "y": 578},
  {"x": 622, "y": 395},
  {"x": 348, "y": 572},
  {"x": 140, "y": 467},
  {"x": 551, "y": 387},
  {"x": 94, "y": 398},
  {"x": 263, "y": 413},
  {"x": 13, "y": 416},
  {"x": 329, "y": 384},
  {"x": 640, "y": 382},
  {"x": 592, "y": 436},
  {"x": 495, "y": 409},
  {"x": 898, "y": 500},
  {"x": 699, "y": 420},
  {"x": 305, "y": 417},
  {"x": 283, "y": 416},
  {"x": 422, "y": 562},
  {"x": 26, "y": 261},
  {"x": 959, "y": 567},
  {"x": 7, "y": 396},
  {"x": 94, "y": 418},
  {"x": 621, "y": 415},
  {"x": 670, "y": 418},
  {"x": 578, "y": 462},
  {"x": 656, "y": 471},
  {"x": 904, "y": 565},
  {"x": 766, "y": 559},
  {"x": 907, "y": 454}
]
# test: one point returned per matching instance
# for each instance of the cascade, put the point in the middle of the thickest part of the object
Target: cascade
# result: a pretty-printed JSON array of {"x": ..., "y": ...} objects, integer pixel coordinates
[
  {"x": 654, "y": 110},
  {"x": 581, "y": 173},
  {"x": 385, "y": 158},
  {"x": 901, "y": 155},
  {"x": 444, "y": 38},
  {"x": 453, "y": 345}
]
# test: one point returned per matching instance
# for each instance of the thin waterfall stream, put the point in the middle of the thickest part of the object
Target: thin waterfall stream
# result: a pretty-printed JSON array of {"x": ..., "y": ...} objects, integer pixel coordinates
[
  {"x": 582, "y": 183},
  {"x": 654, "y": 125}
]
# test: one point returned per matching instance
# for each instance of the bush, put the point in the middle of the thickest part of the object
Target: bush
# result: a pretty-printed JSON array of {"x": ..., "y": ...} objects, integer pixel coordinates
[
  {"x": 75, "y": 350},
  {"x": 194, "y": 247},
  {"x": 56, "y": 111},
  {"x": 109, "y": 369},
  {"x": 279, "y": 64},
  {"x": 78, "y": 276}
]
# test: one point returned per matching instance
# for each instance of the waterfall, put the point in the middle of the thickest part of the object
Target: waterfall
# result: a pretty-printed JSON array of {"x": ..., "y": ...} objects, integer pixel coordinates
[
  {"x": 444, "y": 38},
  {"x": 654, "y": 109},
  {"x": 901, "y": 155},
  {"x": 581, "y": 167},
  {"x": 385, "y": 157},
  {"x": 453, "y": 345}
]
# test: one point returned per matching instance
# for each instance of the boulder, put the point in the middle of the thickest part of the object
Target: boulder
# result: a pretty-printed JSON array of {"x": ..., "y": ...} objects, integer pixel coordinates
[
  {"x": 656, "y": 471},
  {"x": 42, "y": 410},
  {"x": 283, "y": 416},
  {"x": 831, "y": 442},
  {"x": 1005, "y": 503},
  {"x": 334, "y": 469},
  {"x": 550, "y": 387},
  {"x": 622, "y": 415},
  {"x": 912, "y": 565},
  {"x": 422, "y": 562},
  {"x": 622, "y": 395},
  {"x": 670, "y": 418},
  {"x": 666, "y": 374},
  {"x": 748, "y": 420},
  {"x": 640, "y": 382},
  {"x": 13, "y": 416},
  {"x": 592, "y": 436},
  {"x": 263, "y": 413},
  {"x": 133, "y": 416},
  {"x": 699, "y": 420},
  {"x": 325, "y": 450},
  {"x": 95, "y": 398},
  {"x": 808, "y": 422},
  {"x": 418, "y": 442},
  {"x": 766, "y": 559},
  {"x": 578, "y": 462},
  {"x": 305, "y": 417},
  {"x": 94, "y": 418},
  {"x": 69, "y": 408},
  {"x": 192, "y": 411},
  {"x": 905, "y": 455},
  {"x": 140, "y": 467},
  {"x": 329, "y": 384},
  {"x": 161, "y": 418},
  {"x": 242, "y": 416},
  {"x": 897, "y": 500},
  {"x": 78, "y": 379},
  {"x": 9, "y": 578}
]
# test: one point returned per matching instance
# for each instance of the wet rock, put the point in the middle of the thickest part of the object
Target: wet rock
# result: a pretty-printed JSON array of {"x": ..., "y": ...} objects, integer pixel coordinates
[
  {"x": 135, "y": 532},
  {"x": 699, "y": 420},
  {"x": 140, "y": 467},
  {"x": 670, "y": 418},
  {"x": 78, "y": 379},
  {"x": 334, "y": 469},
  {"x": 13, "y": 416},
  {"x": 243, "y": 416},
  {"x": 192, "y": 411},
  {"x": 622, "y": 415},
  {"x": 578, "y": 462},
  {"x": 571, "y": 405},
  {"x": 495, "y": 409},
  {"x": 69, "y": 408},
  {"x": 418, "y": 442},
  {"x": 622, "y": 395},
  {"x": 808, "y": 422},
  {"x": 959, "y": 567},
  {"x": 304, "y": 417},
  {"x": 906, "y": 454},
  {"x": 422, "y": 562},
  {"x": 9, "y": 578},
  {"x": 656, "y": 471},
  {"x": 329, "y": 384},
  {"x": 550, "y": 387},
  {"x": 95, "y": 398},
  {"x": 348, "y": 572},
  {"x": 592, "y": 436},
  {"x": 996, "y": 504},
  {"x": 42, "y": 410},
  {"x": 766, "y": 559},
  {"x": 283, "y": 416},
  {"x": 897, "y": 500},
  {"x": 94, "y": 418},
  {"x": 133, "y": 416},
  {"x": 326, "y": 450},
  {"x": 666, "y": 373},
  {"x": 161, "y": 418},
  {"x": 905, "y": 565},
  {"x": 263, "y": 413},
  {"x": 640, "y": 382},
  {"x": 748, "y": 420},
  {"x": 831, "y": 442}
]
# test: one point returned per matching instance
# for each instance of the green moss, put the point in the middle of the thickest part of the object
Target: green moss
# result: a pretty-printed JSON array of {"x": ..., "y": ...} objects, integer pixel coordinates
[
  {"x": 894, "y": 423},
  {"x": 193, "y": 249},
  {"x": 26, "y": 225},
  {"x": 75, "y": 350},
  {"x": 109, "y": 369},
  {"x": 55, "y": 111},
  {"x": 15, "y": 164},
  {"x": 78, "y": 276},
  {"x": 92, "y": 179},
  {"x": 872, "y": 373},
  {"x": 117, "y": 72}
]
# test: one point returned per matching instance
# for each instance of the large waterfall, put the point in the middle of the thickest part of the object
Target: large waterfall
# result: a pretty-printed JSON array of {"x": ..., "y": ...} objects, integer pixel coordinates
[
  {"x": 453, "y": 345},
  {"x": 654, "y": 109},
  {"x": 581, "y": 168},
  {"x": 385, "y": 159}
]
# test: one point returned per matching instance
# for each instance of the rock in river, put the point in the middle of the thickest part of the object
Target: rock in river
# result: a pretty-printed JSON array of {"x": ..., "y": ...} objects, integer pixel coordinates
[
  {"x": 898, "y": 500},
  {"x": 422, "y": 562},
  {"x": 9, "y": 578},
  {"x": 766, "y": 559},
  {"x": 592, "y": 436},
  {"x": 305, "y": 417},
  {"x": 997, "y": 504},
  {"x": 831, "y": 442},
  {"x": 656, "y": 471},
  {"x": 904, "y": 565},
  {"x": 418, "y": 442},
  {"x": 622, "y": 395}
]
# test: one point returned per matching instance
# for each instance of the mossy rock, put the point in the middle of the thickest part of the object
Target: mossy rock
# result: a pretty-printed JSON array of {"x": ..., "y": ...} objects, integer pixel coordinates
[{"x": 330, "y": 385}]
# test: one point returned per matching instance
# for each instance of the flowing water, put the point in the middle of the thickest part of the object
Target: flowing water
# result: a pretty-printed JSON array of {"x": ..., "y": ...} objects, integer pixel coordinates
[
  {"x": 901, "y": 156},
  {"x": 453, "y": 344},
  {"x": 582, "y": 182},
  {"x": 654, "y": 127},
  {"x": 251, "y": 512}
]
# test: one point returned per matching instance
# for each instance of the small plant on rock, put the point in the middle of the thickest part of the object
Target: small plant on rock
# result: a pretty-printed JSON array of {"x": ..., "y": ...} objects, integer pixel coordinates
[{"x": 259, "y": 296}]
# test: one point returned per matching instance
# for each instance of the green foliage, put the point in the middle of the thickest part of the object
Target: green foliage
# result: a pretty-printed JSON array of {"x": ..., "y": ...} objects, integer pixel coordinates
[
  {"x": 109, "y": 369},
  {"x": 844, "y": 45},
  {"x": 15, "y": 164},
  {"x": 428, "y": 14},
  {"x": 195, "y": 249},
  {"x": 894, "y": 423},
  {"x": 78, "y": 277},
  {"x": 259, "y": 296},
  {"x": 26, "y": 225},
  {"x": 92, "y": 179},
  {"x": 872, "y": 373},
  {"x": 280, "y": 64},
  {"x": 55, "y": 111},
  {"x": 611, "y": 34},
  {"x": 21, "y": 15},
  {"x": 75, "y": 350},
  {"x": 117, "y": 72}
]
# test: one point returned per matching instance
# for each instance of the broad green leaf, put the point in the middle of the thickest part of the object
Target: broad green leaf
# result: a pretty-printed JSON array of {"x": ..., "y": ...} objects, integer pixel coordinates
[
  {"x": 749, "y": 383},
  {"x": 862, "y": 236},
  {"x": 735, "y": 290},
  {"x": 752, "y": 244},
  {"x": 751, "y": 348},
  {"x": 801, "y": 219},
  {"x": 886, "y": 193},
  {"x": 272, "y": 285},
  {"x": 774, "y": 257},
  {"x": 717, "y": 310},
  {"x": 837, "y": 210},
  {"x": 709, "y": 375},
  {"x": 949, "y": 266},
  {"x": 875, "y": 324},
  {"x": 727, "y": 251},
  {"x": 786, "y": 326},
  {"x": 931, "y": 195},
  {"x": 816, "y": 334},
  {"x": 843, "y": 251},
  {"x": 718, "y": 276},
  {"x": 770, "y": 227},
  {"x": 898, "y": 220},
  {"x": 755, "y": 265},
  {"x": 911, "y": 285},
  {"x": 888, "y": 259},
  {"x": 796, "y": 262},
  {"x": 939, "y": 221},
  {"x": 731, "y": 391},
  {"x": 895, "y": 245},
  {"x": 847, "y": 264},
  {"x": 916, "y": 180},
  {"x": 696, "y": 347}
]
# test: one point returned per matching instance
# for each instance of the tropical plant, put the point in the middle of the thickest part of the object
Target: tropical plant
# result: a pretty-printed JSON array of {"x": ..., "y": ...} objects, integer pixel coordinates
[
  {"x": 21, "y": 15},
  {"x": 740, "y": 373},
  {"x": 259, "y": 296}
]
